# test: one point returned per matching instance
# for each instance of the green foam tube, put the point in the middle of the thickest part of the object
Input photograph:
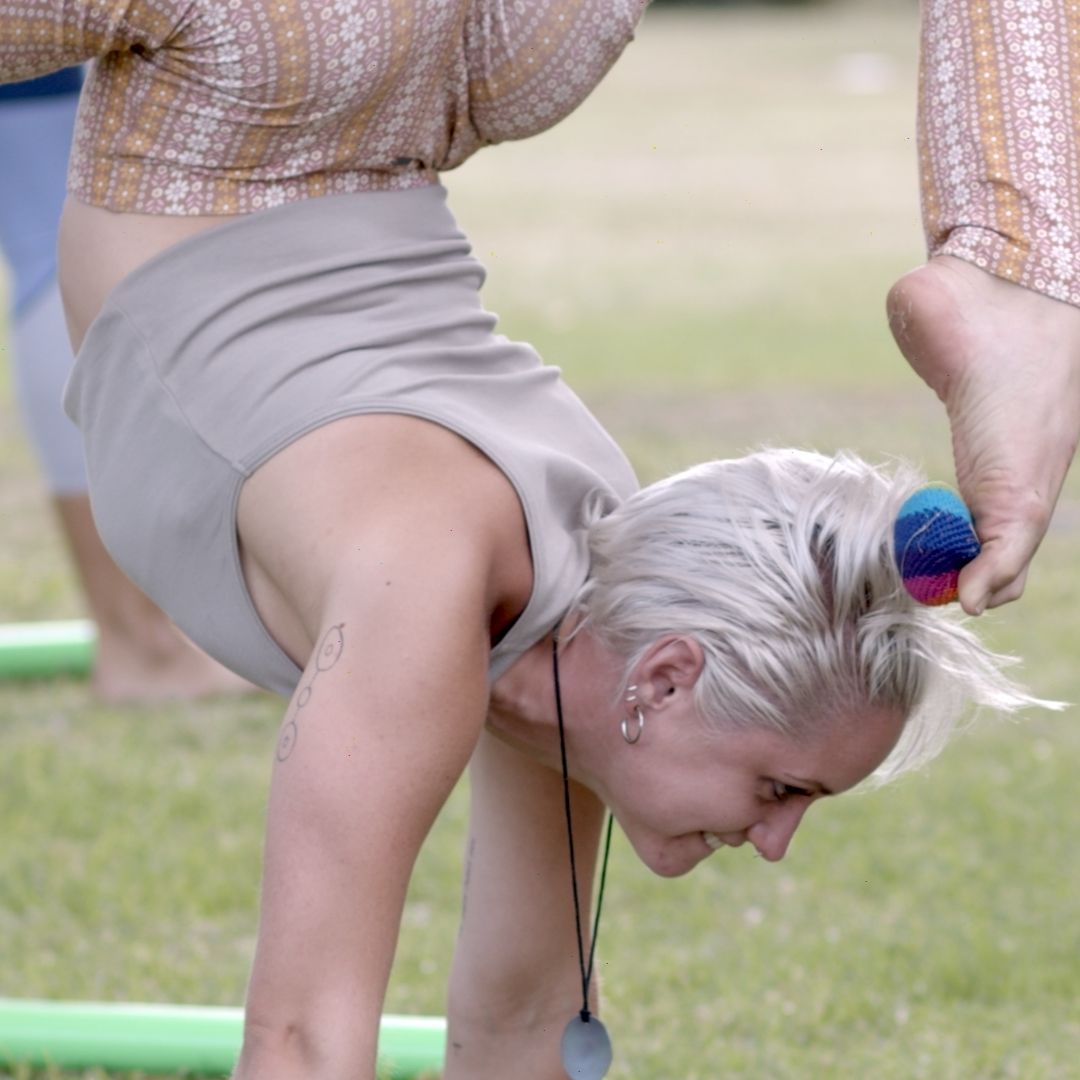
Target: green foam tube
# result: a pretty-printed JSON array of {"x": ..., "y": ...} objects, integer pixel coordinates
[
  {"x": 36, "y": 650},
  {"x": 177, "y": 1038}
]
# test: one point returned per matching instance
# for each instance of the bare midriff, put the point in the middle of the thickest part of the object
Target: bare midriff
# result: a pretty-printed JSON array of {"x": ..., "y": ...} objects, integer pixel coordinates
[{"x": 99, "y": 248}]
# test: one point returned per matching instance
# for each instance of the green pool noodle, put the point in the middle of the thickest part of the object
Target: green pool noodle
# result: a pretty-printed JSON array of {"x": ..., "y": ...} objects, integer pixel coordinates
[
  {"x": 197, "y": 1039},
  {"x": 38, "y": 650}
]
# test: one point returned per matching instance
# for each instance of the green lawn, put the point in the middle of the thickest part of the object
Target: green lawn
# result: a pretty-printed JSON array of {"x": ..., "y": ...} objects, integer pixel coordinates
[{"x": 704, "y": 248}]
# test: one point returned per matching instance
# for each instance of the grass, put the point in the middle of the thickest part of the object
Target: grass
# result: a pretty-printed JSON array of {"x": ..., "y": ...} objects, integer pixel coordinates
[{"x": 704, "y": 248}]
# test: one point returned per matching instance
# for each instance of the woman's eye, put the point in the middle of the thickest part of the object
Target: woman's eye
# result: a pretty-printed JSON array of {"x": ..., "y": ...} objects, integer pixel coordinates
[{"x": 782, "y": 791}]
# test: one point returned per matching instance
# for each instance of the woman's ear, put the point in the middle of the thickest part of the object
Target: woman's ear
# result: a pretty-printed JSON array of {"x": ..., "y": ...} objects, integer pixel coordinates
[{"x": 673, "y": 663}]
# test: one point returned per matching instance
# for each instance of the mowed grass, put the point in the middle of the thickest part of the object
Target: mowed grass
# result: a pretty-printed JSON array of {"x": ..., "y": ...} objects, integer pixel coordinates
[{"x": 704, "y": 248}]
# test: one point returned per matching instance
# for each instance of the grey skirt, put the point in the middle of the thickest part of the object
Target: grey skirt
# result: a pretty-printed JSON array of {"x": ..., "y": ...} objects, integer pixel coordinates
[{"x": 224, "y": 349}]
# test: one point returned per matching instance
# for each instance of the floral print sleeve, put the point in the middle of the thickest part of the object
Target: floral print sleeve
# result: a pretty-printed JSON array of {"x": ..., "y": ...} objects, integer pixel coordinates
[
  {"x": 530, "y": 65},
  {"x": 41, "y": 36},
  {"x": 232, "y": 106},
  {"x": 999, "y": 114}
]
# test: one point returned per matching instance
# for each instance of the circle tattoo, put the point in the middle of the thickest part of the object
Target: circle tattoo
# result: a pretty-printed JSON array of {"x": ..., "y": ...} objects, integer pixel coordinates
[{"x": 326, "y": 656}]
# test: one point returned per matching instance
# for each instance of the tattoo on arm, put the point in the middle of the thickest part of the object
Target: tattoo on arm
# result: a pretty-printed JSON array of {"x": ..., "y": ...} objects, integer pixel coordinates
[
  {"x": 465, "y": 884},
  {"x": 329, "y": 653}
]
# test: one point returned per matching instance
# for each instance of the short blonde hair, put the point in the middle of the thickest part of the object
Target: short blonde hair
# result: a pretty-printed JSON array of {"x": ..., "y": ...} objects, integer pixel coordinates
[{"x": 781, "y": 565}]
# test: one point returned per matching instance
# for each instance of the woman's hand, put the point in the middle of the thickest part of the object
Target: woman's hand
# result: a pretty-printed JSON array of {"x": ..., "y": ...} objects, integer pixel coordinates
[{"x": 1005, "y": 361}]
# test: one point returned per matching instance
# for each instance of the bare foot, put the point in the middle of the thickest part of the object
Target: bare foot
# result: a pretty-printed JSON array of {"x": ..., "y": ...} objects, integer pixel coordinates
[
  {"x": 172, "y": 671},
  {"x": 1005, "y": 361},
  {"x": 163, "y": 666},
  {"x": 141, "y": 655}
]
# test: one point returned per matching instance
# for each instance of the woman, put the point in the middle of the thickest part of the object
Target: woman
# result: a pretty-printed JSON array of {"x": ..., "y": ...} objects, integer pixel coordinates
[{"x": 307, "y": 443}]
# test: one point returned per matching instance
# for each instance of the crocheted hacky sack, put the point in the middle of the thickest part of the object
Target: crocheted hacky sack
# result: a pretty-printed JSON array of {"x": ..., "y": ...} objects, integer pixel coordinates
[{"x": 934, "y": 539}]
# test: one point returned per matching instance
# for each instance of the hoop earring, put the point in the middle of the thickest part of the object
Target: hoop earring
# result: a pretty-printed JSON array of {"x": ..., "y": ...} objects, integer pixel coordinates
[{"x": 632, "y": 736}]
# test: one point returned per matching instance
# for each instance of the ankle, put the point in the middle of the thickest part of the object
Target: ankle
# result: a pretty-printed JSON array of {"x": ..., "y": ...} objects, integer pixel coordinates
[{"x": 140, "y": 631}]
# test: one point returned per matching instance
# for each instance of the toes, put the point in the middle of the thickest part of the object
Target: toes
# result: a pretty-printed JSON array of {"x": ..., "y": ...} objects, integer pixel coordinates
[{"x": 996, "y": 577}]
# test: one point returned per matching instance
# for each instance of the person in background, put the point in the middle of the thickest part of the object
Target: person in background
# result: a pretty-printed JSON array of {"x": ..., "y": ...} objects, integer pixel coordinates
[{"x": 141, "y": 655}]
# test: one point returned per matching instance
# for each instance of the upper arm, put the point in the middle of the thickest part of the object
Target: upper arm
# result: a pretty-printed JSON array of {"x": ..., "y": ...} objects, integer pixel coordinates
[
  {"x": 40, "y": 36},
  {"x": 380, "y": 728}
]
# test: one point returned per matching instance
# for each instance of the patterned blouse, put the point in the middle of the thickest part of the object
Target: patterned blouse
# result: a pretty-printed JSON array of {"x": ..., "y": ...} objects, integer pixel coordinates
[
  {"x": 229, "y": 106},
  {"x": 232, "y": 106}
]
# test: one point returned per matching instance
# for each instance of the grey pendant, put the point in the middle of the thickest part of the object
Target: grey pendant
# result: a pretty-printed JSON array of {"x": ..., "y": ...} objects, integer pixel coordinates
[{"x": 586, "y": 1049}]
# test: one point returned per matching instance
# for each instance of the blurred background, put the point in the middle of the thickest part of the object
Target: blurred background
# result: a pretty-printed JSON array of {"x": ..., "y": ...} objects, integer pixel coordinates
[{"x": 704, "y": 248}]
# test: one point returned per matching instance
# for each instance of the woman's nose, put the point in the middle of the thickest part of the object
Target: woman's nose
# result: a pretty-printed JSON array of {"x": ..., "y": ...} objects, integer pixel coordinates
[{"x": 772, "y": 836}]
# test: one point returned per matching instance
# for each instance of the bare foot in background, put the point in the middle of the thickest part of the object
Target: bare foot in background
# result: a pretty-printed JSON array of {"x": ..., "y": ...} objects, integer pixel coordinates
[
  {"x": 141, "y": 655},
  {"x": 1005, "y": 361}
]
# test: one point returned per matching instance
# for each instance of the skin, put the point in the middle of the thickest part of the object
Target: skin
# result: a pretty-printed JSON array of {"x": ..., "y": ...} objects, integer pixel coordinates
[
  {"x": 141, "y": 656},
  {"x": 1005, "y": 362},
  {"x": 677, "y": 781},
  {"x": 685, "y": 777},
  {"x": 372, "y": 744},
  {"x": 99, "y": 248},
  {"x": 383, "y": 736},
  {"x": 392, "y": 709}
]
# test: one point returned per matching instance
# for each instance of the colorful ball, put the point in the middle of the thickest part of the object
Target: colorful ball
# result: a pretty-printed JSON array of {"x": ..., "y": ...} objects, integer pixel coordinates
[{"x": 934, "y": 539}]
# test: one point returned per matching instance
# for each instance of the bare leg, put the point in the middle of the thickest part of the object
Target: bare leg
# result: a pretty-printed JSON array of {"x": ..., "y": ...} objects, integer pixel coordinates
[
  {"x": 141, "y": 655},
  {"x": 1005, "y": 361},
  {"x": 992, "y": 322}
]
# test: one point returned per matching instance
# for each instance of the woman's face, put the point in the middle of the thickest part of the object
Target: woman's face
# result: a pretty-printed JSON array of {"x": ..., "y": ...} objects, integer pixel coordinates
[{"x": 683, "y": 790}]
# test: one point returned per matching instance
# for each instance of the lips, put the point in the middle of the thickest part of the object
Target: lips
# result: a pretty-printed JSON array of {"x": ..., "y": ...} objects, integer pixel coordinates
[{"x": 712, "y": 841}]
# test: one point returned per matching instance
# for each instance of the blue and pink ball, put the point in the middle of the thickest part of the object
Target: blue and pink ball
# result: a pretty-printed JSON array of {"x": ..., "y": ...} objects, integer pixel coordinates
[{"x": 935, "y": 539}]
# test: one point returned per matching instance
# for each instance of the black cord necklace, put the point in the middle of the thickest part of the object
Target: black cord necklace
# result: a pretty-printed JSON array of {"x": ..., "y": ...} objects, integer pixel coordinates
[{"x": 586, "y": 1047}]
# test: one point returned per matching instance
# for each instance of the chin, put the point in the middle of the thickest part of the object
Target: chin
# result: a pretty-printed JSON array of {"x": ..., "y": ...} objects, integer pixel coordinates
[
  {"x": 666, "y": 859},
  {"x": 673, "y": 870}
]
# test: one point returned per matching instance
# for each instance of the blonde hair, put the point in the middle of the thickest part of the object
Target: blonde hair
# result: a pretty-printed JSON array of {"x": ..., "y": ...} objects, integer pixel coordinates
[{"x": 781, "y": 565}]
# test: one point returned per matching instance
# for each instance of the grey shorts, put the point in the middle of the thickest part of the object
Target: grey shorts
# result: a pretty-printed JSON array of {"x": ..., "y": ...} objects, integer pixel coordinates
[{"x": 215, "y": 355}]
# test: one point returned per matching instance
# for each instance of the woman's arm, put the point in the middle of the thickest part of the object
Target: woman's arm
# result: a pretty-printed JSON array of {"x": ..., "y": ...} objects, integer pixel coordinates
[
  {"x": 515, "y": 981},
  {"x": 380, "y": 729},
  {"x": 41, "y": 36}
]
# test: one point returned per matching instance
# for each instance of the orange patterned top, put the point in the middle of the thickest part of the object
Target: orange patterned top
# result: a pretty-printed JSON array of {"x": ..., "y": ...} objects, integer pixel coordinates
[
  {"x": 1000, "y": 157},
  {"x": 232, "y": 106}
]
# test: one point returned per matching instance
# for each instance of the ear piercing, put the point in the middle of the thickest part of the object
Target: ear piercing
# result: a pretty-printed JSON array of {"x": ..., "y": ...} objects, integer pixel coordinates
[{"x": 632, "y": 726}]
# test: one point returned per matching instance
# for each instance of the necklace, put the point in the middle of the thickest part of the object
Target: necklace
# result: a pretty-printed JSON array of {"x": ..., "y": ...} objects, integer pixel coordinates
[{"x": 586, "y": 1046}]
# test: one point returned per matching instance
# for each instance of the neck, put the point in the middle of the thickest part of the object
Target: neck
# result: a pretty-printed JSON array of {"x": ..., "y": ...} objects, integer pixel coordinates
[{"x": 522, "y": 710}]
